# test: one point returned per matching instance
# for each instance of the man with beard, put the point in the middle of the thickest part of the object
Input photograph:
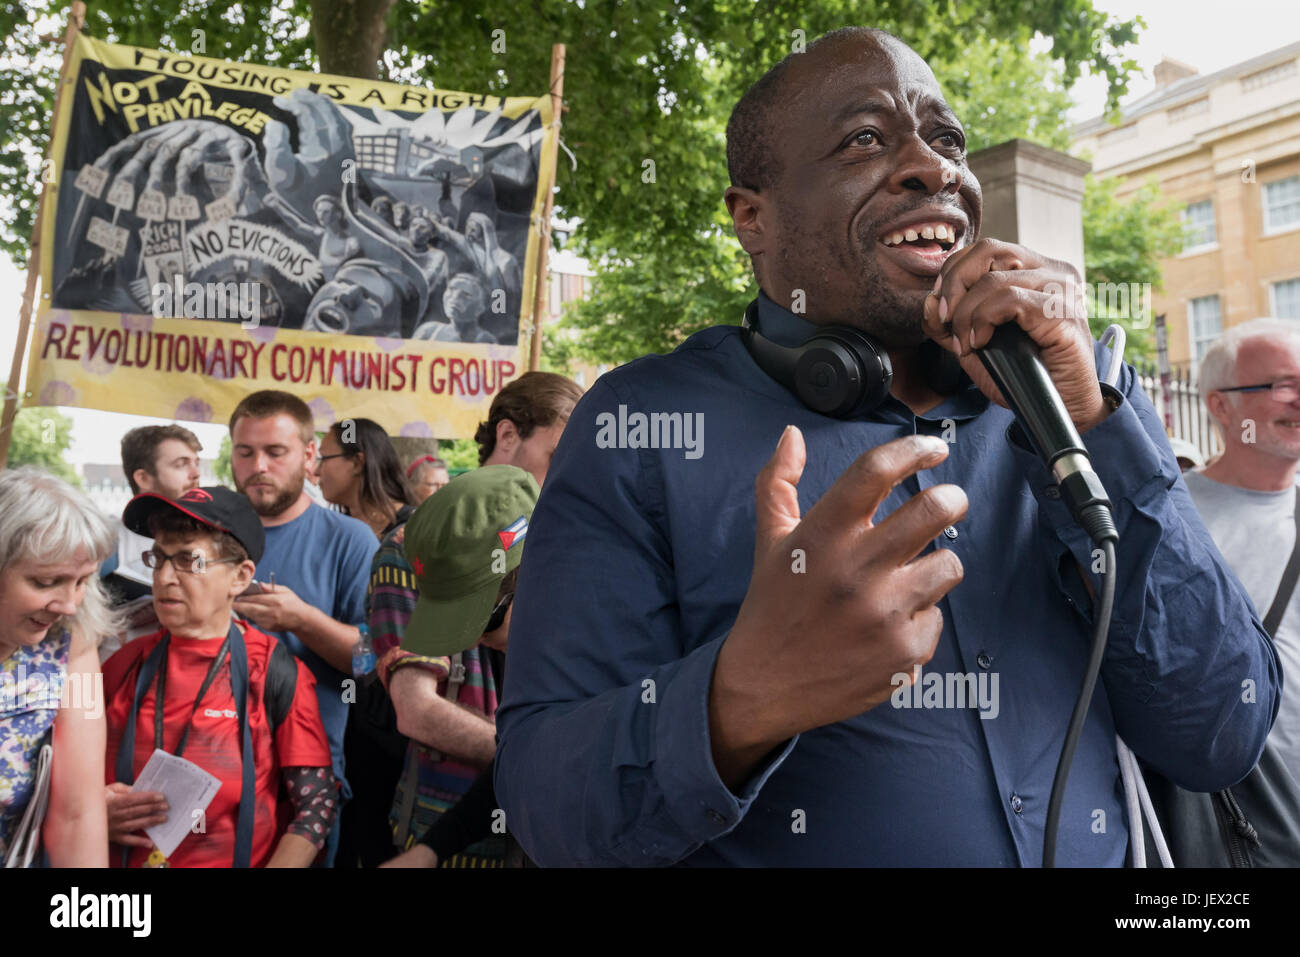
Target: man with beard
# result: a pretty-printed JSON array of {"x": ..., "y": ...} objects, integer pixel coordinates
[
  {"x": 738, "y": 680},
  {"x": 316, "y": 565}
]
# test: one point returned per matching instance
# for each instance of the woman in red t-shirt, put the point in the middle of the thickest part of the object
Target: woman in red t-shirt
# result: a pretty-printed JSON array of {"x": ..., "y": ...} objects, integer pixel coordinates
[{"x": 228, "y": 692}]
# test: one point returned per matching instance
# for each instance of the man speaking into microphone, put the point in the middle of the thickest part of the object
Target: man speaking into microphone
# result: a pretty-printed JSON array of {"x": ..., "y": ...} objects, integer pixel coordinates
[{"x": 869, "y": 654}]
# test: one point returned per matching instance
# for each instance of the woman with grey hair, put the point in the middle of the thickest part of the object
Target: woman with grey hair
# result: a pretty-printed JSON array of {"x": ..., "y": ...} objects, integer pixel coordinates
[
  {"x": 52, "y": 613},
  {"x": 426, "y": 475}
]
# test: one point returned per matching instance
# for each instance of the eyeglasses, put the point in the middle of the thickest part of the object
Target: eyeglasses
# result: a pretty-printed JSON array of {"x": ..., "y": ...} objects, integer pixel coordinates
[
  {"x": 499, "y": 614},
  {"x": 190, "y": 563},
  {"x": 336, "y": 455},
  {"x": 1284, "y": 390}
]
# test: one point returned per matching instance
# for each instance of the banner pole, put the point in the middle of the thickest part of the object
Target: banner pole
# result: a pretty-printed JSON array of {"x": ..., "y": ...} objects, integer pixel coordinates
[
  {"x": 541, "y": 289},
  {"x": 76, "y": 20}
]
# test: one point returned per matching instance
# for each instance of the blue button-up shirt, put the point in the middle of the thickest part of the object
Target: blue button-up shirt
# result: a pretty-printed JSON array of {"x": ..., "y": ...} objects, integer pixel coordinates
[{"x": 638, "y": 559}]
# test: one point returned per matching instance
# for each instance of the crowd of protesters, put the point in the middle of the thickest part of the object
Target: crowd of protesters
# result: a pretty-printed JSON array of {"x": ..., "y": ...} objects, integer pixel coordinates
[
  {"x": 338, "y": 669},
  {"x": 256, "y": 634}
]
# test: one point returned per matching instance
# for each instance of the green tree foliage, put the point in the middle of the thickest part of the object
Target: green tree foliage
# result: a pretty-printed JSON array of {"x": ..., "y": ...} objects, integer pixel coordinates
[
  {"x": 1124, "y": 241},
  {"x": 459, "y": 454},
  {"x": 42, "y": 437},
  {"x": 221, "y": 467}
]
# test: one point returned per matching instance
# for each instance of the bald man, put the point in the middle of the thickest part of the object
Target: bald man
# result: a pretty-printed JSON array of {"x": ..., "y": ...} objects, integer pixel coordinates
[{"x": 868, "y": 655}]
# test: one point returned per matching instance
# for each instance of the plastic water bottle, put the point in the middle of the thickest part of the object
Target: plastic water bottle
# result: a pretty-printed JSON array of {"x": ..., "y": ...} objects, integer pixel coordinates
[{"x": 363, "y": 656}]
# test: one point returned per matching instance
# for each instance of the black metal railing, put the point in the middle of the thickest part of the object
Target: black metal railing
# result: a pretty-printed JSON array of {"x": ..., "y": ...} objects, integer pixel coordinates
[{"x": 1179, "y": 404}]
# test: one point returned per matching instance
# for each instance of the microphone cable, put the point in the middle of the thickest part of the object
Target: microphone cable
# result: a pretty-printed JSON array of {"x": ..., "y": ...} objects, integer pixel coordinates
[
  {"x": 1114, "y": 336},
  {"x": 1012, "y": 361},
  {"x": 1100, "y": 633}
]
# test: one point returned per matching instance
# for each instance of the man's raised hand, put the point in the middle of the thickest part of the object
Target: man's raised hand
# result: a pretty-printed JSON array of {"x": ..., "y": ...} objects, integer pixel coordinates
[{"x": 819, "y": 641}]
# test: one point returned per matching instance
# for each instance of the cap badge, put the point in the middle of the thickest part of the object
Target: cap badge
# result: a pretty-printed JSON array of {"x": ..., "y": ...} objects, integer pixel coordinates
[{"x": 513, "y": 533}]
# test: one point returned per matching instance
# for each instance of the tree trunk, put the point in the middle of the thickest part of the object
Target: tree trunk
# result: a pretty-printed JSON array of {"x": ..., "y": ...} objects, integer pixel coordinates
[{"x": 350, "y": 35}]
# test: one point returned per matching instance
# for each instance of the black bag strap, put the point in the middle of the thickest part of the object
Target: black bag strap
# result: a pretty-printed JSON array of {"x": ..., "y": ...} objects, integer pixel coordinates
[
  {"x": 281, "y": 684},
  {"x": 406, "y": 811},
  {"x": 246, "y": 816},
  {"x": 1289, "y": 577}
]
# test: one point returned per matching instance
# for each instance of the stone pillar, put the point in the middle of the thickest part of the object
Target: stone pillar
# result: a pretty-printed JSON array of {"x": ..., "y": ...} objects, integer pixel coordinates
[{"x": 1033, "y": 196}]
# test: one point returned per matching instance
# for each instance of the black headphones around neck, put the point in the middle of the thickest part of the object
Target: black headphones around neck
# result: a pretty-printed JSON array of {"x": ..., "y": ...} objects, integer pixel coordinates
[{"x": 840, "y": 371}]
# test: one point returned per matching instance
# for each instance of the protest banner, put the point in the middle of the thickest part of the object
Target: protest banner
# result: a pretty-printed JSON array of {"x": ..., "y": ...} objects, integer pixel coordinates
[{"x": 213, "y": 228}]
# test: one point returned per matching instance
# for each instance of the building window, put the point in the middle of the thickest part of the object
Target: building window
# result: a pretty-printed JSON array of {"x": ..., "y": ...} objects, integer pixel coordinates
[
  {"x": 1204, "y": 322},
  {"x": 1198, "y": 225},
  {"x": 378, "y": 153},
  {"x": 1286, "y": 299},
  {"x": 1282, "y": 204},
  {"x": 420, "y": 151},
  {"x": 1273, "y": 74},
  {"x": 1179, "y": 113}
]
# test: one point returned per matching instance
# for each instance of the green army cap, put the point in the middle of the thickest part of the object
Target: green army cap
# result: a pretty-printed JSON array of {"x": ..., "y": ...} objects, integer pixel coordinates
[{"x": 461, "y": 542}]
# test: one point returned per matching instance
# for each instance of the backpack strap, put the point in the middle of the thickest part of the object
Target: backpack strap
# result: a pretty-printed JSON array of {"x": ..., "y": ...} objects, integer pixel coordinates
[
  {"x": 1287, "y": 586},
  {"x": 456, "y": 677},
  {"x": 406, "y": 810},
  {"x": 281, "y": 684}
]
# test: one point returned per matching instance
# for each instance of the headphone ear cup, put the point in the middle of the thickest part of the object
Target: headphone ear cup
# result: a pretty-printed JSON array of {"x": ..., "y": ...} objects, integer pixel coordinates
[
  {"x": 828, "y": 377},
  {"x": 840, "y": 373}
]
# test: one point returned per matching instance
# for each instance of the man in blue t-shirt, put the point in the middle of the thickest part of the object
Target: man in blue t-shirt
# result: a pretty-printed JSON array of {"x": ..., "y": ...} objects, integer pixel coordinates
[{"x": 316, "y": 566}]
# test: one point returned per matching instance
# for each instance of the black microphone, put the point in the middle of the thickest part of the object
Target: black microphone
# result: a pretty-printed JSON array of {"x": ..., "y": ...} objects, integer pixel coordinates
[{"x": 1011, "y": 358}]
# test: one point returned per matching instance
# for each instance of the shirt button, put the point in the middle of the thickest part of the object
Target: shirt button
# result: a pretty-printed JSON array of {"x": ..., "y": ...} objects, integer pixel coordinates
[
  {"x": 1017, "y": 805},
  {"x": 950, "y": 532},
  {"x": 1052, "y": 491},
  {"x": 716, "y": 818},
  {"x": 983, "y": 660}
]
